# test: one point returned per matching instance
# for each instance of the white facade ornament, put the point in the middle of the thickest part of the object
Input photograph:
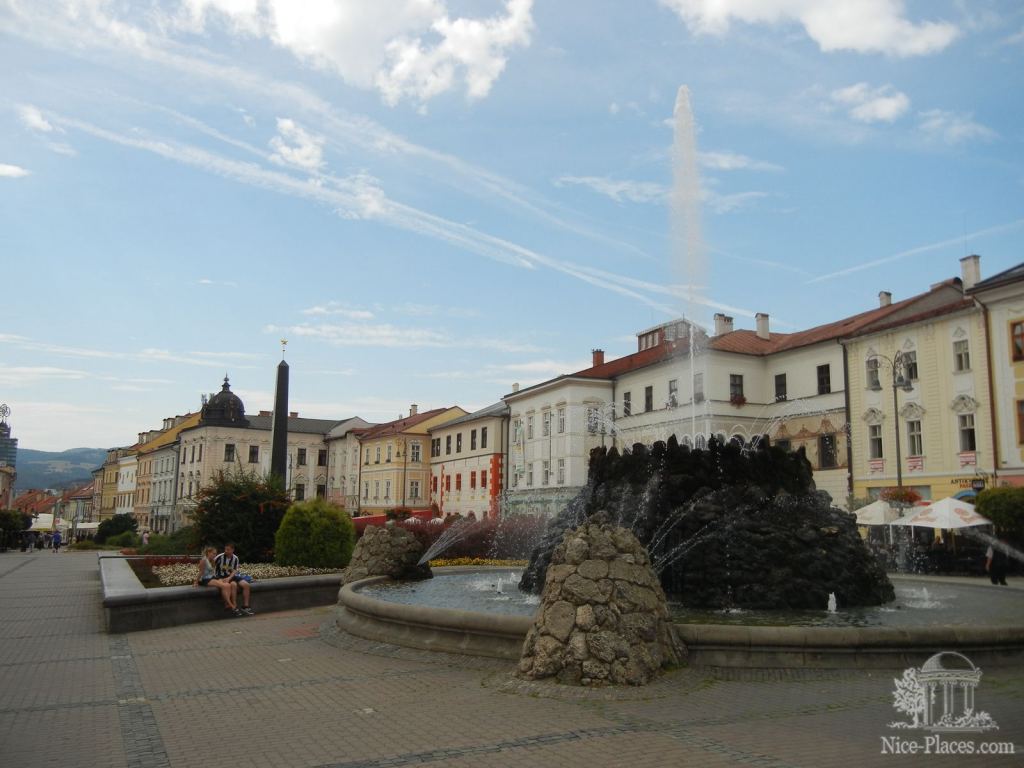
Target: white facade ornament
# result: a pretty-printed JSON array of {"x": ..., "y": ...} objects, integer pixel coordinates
[
  {"x": 959, "y": 333},
  {"x": 912, "y": 411},
  {"x": 964, "y": 404},
  {"x": 873, "y": 416}
]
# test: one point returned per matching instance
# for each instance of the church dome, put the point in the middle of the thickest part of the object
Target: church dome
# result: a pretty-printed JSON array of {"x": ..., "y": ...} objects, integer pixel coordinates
[{"x": 224, "y": 408}]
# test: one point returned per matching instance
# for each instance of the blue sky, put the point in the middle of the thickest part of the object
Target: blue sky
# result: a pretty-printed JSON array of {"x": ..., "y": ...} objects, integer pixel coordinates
[{"x": 432, "y": 199}]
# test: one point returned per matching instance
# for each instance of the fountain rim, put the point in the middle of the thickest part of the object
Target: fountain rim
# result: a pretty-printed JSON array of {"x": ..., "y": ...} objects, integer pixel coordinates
[{"x": 714, "y": 645}]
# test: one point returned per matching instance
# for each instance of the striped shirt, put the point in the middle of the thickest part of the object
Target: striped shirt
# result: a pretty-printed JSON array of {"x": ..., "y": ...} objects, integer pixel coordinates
[{"x": 225, "y": 565}]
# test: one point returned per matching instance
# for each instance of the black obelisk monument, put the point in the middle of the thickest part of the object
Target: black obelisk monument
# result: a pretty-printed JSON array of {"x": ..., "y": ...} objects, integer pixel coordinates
[{"x": 279, "y": 428}]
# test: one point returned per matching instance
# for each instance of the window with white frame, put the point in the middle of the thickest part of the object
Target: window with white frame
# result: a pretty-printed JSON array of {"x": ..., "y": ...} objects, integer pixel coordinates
[
  {"x": 673, "y": 393},
  {"x": 627, "y": 403},
  {"x": 561, "y": 421},
  {"x": 961, "y": 355},
  {"x": 561, "y": 472},
  {"x": 545, "y": 472},
  {"x": 529, "y": 474},
  {"x": 915, "y": 446},
  {"x": 529, "y": 427},
  {"x": 965, "y": 424},
  {"x": 910, "y": 365},
  {"x": 871, "y": 369},
  {"x": 875, "y": 441},
  {"x": 414, "y": 489},
  {"x": 414, "y": 452},
  {"x": 698, "y": 387},
  {"x": 593, "y": 417},
  {"x": 545, "y": 424},
  {"x": 387, "y": 489}
]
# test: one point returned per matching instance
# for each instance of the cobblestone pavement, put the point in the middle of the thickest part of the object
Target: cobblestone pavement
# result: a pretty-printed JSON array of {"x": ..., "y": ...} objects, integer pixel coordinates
[{"x": 287, "y": 689}]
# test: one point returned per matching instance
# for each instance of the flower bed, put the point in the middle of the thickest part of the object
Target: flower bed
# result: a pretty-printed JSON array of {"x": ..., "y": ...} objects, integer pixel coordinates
[
  {"x": 182, "y": 574},
  {"x": 443, "y": 562}
]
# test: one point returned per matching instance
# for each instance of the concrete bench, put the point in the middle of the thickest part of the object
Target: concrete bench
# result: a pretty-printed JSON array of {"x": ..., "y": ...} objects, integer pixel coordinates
[{"x": 129, "y": 607}]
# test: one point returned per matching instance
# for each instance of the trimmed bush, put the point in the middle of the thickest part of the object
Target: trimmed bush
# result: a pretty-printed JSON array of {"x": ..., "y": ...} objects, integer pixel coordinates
[
  {"x": 244, "y": 508},
  {"x": 115, "y": 525},
  {"x": 1005, "y": 508},
  {"x": 123, "y": 539},
  {"x": 316, "y": 534}
]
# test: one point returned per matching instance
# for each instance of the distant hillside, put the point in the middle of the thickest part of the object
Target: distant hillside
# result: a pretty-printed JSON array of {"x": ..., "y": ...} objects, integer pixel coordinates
[{"x": 56, "y": 469}]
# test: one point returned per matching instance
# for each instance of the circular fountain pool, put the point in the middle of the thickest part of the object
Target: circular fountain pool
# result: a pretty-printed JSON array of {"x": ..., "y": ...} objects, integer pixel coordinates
[
  {"x": 463, "y": 610},
  {"x": 494, "y": 591}
]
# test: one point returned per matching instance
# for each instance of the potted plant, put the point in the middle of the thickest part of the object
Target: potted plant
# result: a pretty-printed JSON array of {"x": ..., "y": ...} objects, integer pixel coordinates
[{"x": 737, "y": 400}]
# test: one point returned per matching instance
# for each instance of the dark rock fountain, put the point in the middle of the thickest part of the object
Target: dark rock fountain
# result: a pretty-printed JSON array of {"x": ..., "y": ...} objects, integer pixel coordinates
[{"x": 726, "y": 527}]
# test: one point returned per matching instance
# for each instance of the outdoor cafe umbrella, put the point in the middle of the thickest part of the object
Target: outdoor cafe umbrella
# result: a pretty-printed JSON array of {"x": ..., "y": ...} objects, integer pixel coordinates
[
  {"x": 876, "y": 513},
  {"x": 947, "y": 514}
]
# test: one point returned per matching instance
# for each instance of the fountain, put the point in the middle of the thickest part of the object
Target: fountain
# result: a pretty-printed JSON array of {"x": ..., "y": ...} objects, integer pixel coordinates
[{"x": 735, "y": 531}]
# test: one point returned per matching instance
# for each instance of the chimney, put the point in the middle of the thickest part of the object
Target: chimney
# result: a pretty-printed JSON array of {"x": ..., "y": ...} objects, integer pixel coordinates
[
  {"x": 723, "y": 324},
  {"x": 265, "y": 413},
  {"x": 762, "y": 326},
  {"x": 293, "y": 414},
  {"x": 884, "y": 298},
  {"x": 970, "y": 270},
  {"x": 598, "y": 357},
  {"x": 515, "y": 387},
  {"x": 413, "y": 410}
]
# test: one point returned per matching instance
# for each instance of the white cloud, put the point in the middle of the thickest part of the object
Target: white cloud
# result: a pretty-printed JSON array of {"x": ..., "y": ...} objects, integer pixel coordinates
[
  {"x": 719, "y": 203},
  {"x": 864, "y": 26},
  {"x": 294, "y": 147},
  {"x": 618, "y": 189},
  {"x": 731, "y": 161},
  {"x": 33, "y": 119},
  {"x": 12, "y": 171},
  {"x": 225, "y": 283},
  {"x": 391, "y": 336},
  {"x": 872, "y": 105},
  {"x": 952, "y": 127},
  {"x": 335, "y": 308},
  {"x": 405, "y": 48}
]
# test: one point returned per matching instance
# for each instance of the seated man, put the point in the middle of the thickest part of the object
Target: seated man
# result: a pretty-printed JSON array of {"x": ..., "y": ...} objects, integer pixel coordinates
[{"x": 226, "y": 564}]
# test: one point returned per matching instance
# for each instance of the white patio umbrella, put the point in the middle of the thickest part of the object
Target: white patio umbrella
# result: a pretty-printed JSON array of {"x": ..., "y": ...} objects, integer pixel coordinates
[
  {"x": 876, "y": 513},
  {"x": 948, "y": 513}
]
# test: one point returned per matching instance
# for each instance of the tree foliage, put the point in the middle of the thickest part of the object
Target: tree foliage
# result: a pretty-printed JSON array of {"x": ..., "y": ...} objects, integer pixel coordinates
[
  {"x": 315, "y": 533},
  {"x": 115, "y": 525},
  {"x": 12, "y": 524},
  {"x": 1005, "y": 508},
  {"x": 244, "y": 508}
]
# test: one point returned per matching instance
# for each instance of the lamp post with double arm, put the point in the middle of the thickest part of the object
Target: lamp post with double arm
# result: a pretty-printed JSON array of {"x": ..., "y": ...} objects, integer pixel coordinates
[{"x": 897, "y": 365}]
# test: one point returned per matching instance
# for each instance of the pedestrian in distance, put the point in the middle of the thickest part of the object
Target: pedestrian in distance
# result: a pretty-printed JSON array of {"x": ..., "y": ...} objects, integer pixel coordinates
[
  {"x": 227, "y": 568},
  {"x": 996, "y": 561},
  {"x": 206, "y": 576},
  {"x": 57, "y": 539}
]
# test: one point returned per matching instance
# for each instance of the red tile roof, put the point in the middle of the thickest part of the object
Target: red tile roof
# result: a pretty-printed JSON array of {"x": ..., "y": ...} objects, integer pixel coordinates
[{"x": 398, "y": 426}]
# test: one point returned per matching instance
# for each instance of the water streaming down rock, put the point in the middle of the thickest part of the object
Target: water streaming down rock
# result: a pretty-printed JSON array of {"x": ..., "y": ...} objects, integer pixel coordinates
[{"x": 728, "y": 527}]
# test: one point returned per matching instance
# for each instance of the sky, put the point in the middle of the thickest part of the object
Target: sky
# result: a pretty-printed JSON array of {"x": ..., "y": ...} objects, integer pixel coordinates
[{"x": 433, "y": 199}]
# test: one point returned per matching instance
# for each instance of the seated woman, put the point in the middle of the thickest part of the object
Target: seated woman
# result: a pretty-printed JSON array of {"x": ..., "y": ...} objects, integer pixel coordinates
[{"x": 206, "y": 576}]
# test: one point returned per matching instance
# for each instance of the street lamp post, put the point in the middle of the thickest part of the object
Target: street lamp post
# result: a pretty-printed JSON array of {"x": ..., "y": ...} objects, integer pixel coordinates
[{"x": 897, "y": 365}]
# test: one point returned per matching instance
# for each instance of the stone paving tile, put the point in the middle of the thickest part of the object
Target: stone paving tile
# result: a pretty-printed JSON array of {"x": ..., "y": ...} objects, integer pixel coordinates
[{"x": 287, "y": 690}]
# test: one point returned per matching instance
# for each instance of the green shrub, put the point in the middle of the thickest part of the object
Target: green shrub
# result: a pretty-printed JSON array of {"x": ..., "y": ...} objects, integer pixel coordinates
[
  {"x": 87, "y": 545},
  {"x": 316, "y": 534},
  {"x": 115, "y": 525},
  {"x": 1005, "y": 508},
  {"x": 181, "y": 542},
  {"x": 123, "y": 539},
  {"x": 242, "y": 507},
  {"x": 12, "y": 524}
]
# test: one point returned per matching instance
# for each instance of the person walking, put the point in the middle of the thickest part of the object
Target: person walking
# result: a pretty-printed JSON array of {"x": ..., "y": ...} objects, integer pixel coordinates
[
  {"x": 57, "y": 539},
  {"x": 996, "y": 560}
]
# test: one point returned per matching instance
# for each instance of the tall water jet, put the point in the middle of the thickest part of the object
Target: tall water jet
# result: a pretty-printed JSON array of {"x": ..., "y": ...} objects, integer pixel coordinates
[{"x": 688, "y": 258}]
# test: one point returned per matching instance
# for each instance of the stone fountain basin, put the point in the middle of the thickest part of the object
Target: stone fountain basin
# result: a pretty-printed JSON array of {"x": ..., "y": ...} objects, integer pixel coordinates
[
  {"x": 714, "y": 645},
  {"x": 430, "y": 628}
]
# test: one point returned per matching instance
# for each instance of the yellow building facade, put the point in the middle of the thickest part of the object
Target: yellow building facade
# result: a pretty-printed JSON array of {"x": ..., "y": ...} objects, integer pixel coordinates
[
  {"x": 935, "y": 347},
  {"x": 395, "y": 468}
]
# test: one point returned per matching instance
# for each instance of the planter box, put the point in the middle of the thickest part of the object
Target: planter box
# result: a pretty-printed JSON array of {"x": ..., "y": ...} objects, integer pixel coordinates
[{"x": 128, "y": 606}]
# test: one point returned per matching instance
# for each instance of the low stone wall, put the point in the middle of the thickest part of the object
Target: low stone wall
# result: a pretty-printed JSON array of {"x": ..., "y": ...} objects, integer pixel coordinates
[
  {"x": 128, "y": 606},
  {"x": 721, "y": 645},
  {"x": 493, "y": 635}
]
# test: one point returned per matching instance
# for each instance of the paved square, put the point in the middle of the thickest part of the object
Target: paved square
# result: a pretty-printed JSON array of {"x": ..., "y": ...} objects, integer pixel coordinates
[{"x": 288, "y": 690}]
